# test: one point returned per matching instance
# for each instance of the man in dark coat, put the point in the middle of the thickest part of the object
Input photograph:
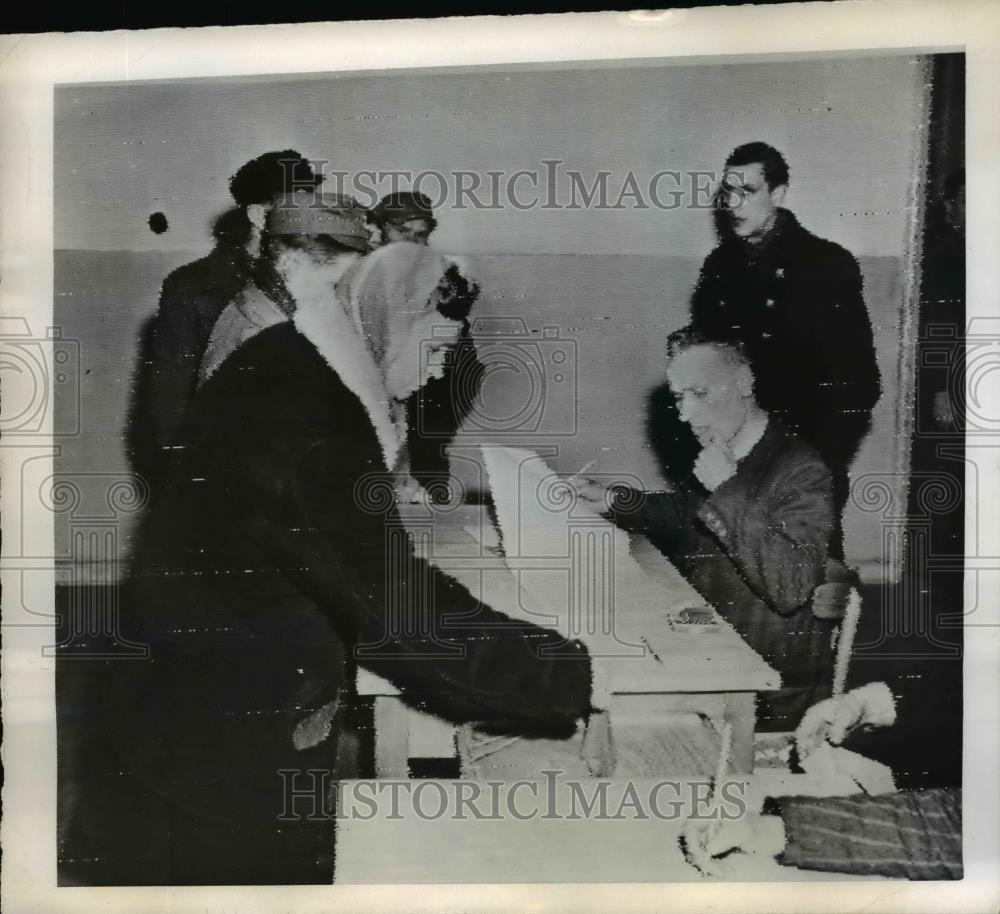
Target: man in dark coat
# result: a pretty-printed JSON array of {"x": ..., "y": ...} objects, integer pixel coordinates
[
  {"x": 751, "y": 529},
  {"x": 191, "y": 299},
  {"x": 265, "y": 568},
  {"x": 795, "y": 302}
]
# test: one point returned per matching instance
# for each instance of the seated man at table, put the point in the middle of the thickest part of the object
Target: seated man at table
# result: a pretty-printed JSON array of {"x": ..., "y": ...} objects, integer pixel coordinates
[{"x": 751, "y": 528}]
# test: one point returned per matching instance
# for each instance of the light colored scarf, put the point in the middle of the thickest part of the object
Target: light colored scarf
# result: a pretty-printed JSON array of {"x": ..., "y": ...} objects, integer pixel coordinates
[{"x": 387, "y": 292}]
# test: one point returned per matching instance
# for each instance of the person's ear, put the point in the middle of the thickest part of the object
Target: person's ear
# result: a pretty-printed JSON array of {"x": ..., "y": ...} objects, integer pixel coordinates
[
  {"x": 257, "y": 214},
  {"x": 778, "y": 194}
]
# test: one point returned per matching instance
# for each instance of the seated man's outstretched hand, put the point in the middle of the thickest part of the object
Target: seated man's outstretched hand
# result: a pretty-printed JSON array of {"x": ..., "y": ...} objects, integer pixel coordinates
[{"x": 591, "y": 492}]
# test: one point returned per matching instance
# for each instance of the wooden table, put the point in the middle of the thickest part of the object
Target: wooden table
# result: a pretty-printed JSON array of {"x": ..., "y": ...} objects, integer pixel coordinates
[{"x": 661, "y": 664}]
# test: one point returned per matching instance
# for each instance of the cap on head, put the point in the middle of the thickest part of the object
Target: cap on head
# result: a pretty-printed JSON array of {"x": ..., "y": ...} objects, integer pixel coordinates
[
  {"x": 395, "y": 209},
  {"x": 272, "y": 174},
  {"x": 338, "y": 216}
]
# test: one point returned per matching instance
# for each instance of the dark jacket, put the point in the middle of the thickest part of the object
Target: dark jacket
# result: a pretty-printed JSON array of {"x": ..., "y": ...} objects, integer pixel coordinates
[
  {"x": 265, "y": 563},
  {"x": 756, "y": 548},
  {"x": 173, "y": 342},
  {"x": 795, "y": 302}
]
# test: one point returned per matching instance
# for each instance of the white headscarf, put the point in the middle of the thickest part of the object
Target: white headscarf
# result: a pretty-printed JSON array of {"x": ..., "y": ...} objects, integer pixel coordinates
[
  {"x": 388, "y": 291},
  {"x": 380, "y": 297}
]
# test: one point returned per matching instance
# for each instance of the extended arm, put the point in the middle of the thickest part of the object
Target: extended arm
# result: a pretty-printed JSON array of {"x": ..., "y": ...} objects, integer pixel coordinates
[{"x": 414, "y": 625}]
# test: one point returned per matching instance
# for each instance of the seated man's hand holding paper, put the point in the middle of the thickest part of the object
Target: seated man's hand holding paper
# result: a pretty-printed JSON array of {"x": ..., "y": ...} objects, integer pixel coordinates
[{"x": 591, "y": 492}]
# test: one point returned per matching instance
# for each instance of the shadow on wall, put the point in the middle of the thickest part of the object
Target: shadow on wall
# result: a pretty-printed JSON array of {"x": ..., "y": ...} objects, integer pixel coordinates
[{"x": 575, "y": 343}]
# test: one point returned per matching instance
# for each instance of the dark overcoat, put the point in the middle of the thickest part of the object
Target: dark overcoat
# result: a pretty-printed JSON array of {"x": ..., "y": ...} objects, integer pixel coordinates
[
  {"x": 795, "y": 301},
  {"x": 272, "y": 558},
  {"x": 173, "y": 342}
]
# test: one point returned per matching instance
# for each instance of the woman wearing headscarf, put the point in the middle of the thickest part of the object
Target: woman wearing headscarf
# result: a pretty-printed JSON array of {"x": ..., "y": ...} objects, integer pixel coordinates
[
  {"x": 265, "y": 564},
  {"x": 404, "y": 300}
]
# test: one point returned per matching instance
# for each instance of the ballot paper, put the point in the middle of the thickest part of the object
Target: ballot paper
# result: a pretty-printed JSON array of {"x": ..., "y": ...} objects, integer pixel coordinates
[{"x": 566, "y": 556}]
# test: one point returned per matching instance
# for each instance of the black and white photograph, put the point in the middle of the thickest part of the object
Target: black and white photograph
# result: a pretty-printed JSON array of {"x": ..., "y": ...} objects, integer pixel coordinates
[{"x": 538, "y": 473}]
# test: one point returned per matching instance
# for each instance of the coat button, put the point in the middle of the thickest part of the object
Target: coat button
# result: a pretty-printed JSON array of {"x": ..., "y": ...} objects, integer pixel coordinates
[
  {"x": 765, "y": 335},
  {"x": 769, "y": 303},
  {"x": 780, "y": 273}
]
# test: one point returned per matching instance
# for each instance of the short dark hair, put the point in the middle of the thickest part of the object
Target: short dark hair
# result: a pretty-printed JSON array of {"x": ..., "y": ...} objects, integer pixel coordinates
[
  {"x": 272, "y": 174},
  {"x": 772, "y": 162}
]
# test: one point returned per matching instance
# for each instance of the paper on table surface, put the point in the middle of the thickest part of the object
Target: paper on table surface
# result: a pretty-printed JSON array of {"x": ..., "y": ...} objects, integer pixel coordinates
[{"x": 564, "y": 553}]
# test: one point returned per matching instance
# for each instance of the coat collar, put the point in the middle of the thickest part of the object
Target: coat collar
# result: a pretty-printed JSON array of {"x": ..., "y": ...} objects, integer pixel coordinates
[
  {"x": 786, "y": 225},
  {"x": 329, "y": 328},
  {"x": 250, "y": 312}
]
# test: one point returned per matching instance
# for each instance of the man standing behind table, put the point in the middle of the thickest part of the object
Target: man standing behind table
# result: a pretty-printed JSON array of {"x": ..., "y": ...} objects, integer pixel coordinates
[
  {"x": 435, "y": 412},
  {"x": 192, "y": 298},
  {"x": 795, "y": 303}
]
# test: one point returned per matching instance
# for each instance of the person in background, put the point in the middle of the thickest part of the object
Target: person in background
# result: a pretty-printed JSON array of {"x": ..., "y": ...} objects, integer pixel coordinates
[
  {"x": 403, "y": 216},
  {"x": 795, "y": 302},
  {"x": 259, "y": 581},
  {"x": 751, "y": 528},
  {"x": 436, "y": 410},
  {"x": 192, "y": 298},
  {"x": 913, "y": 834}
]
